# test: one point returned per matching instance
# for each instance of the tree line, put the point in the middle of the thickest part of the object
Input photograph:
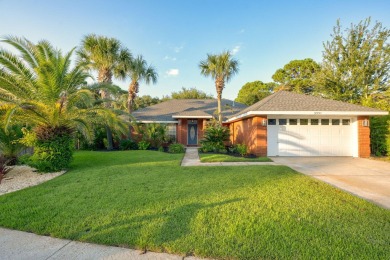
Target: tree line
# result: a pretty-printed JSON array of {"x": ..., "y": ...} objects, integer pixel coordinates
[{"x": 355, "y": 68}]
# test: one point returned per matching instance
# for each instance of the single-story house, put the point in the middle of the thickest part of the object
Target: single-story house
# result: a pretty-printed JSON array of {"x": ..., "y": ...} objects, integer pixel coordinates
[{"x": 282, "y": 124}]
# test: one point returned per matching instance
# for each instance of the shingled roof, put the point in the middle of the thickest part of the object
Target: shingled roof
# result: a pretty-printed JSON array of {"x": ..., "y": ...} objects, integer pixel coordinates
[
  {"x": 283, "y": 101},
  {"x": 169, "y": 110}
]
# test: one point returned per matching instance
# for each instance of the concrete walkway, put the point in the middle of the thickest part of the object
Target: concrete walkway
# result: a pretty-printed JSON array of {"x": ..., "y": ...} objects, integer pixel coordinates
[
  {"x": 22, "y": 245},
  {"x": 365, "y": 178},
  {"x": 191, "y": 158}
]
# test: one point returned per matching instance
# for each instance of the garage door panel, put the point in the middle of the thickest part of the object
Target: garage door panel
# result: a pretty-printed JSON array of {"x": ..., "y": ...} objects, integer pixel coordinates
[{"x": 310, "y": 140}]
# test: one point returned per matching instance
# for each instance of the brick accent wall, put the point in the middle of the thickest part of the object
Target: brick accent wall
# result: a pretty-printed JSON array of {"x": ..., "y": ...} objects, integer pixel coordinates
[
  {"x": 363, "y": 138},
  {"x": 250, "y": 132},
  {"x": 182, "y": 132}
]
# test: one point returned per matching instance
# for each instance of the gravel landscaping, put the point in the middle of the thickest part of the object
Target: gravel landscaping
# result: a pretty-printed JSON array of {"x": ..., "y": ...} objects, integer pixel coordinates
[{"x": 21, "y": 177}]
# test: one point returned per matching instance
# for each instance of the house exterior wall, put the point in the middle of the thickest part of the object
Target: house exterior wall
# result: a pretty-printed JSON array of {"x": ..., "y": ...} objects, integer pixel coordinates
[
  {"x": 249, "y": 131},
  {"x": 182, "y": 130},
  {"x": 363, "y": 137}
]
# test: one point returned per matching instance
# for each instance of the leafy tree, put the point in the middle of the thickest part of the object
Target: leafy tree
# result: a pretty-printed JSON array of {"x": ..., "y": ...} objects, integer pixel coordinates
[
  {"x": 107, "y": 57},
  {"x": 356, "y": 64},
  {"x": 145, "y": 101},
  {"x": 296, "y": 76},
  {"x": 39, "y": 87},
  {"x": 254, "y": 91},
  {"x": 221, "y": 67},
  {"x": 190, "y": 93},
  {"x": 138, "y": 71}
]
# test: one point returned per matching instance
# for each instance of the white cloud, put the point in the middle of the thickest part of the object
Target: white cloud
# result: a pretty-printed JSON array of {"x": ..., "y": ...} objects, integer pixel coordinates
[
  {"x": 172, "y": 72},
  {"x": 236, "y": 49},
  {"x": 178, "y": 49},
  {"x": 169, "y": 58}
]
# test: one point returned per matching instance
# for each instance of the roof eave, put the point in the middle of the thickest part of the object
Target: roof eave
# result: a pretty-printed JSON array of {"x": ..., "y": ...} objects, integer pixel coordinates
[
  {"x": 318, "y": 113},
  {"x": 201, "y": 117}
]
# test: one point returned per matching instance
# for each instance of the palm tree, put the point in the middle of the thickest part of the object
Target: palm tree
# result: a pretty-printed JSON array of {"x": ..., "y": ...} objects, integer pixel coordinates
[
  {"x": 107, "y": 57},
  {"x": 139, "y": 71},
  {"x": 38, "y": 87},
  {"x": 221, "y": 68}
]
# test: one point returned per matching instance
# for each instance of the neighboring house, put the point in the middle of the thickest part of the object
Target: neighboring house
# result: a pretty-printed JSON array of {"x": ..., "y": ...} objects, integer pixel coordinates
[{"x": 282, "y": 124}]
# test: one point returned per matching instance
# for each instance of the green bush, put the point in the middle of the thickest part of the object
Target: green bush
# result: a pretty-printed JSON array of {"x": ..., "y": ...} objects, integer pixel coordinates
[
  {"x": 128, "y": 145},
  {"x": 143, "y": 145},
  {"x": 53, "y": 148},
  {"x": 176, "y": 148},
  {"x": 214, "y": 138},
  {"x": 10, "y": 147},
  {"x": 380, "y": 135},
  {"x": 242, "y": 149}
]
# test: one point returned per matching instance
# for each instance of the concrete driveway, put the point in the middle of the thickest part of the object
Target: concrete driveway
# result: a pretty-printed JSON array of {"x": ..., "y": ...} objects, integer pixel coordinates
[{"x": 368, "y": 179}]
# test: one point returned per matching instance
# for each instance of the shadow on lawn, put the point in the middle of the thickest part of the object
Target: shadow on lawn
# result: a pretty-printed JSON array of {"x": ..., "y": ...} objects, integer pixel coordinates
[{"x": 155, "y": 230}]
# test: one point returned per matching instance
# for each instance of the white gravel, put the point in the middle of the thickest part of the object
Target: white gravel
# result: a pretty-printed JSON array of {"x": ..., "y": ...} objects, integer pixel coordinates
[{"x": 21, "y": 177}]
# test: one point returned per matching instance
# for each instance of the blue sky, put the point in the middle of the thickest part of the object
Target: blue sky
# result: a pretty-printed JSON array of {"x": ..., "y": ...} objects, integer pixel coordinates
[{"x": 175, "y": 35}]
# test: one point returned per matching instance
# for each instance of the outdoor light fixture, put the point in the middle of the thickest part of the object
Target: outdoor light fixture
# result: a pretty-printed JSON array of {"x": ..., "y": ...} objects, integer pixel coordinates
[
  {"x": 264, "y": 122},
  {"x": 366, "y": 122}
]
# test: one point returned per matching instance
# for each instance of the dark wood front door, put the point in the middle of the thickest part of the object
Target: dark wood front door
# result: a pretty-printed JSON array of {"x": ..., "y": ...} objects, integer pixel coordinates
[{"x": 192, "y": 134}]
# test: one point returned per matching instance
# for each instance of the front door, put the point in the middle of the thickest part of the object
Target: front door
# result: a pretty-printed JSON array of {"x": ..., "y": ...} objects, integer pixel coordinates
[{"x": 192, "y": 134}]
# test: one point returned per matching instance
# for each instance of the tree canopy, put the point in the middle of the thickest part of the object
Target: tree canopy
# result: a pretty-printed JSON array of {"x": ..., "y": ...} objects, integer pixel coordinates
[
  {"x": 190, "y": 93},
  {"x": 221, "y": 67},
  {"x": 296, "y": 76},
  {"x": 254, "y": 91},
  {"x": 356, "y": 64}
]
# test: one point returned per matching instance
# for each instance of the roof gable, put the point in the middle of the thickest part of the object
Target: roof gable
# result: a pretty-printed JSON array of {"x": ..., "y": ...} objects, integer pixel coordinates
[
  {"x": 283, "y": 101},
  {"x": 179, "y": 108}
]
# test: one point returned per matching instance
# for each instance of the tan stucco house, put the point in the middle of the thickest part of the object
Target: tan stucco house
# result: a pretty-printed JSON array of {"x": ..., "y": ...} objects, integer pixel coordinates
[{"x": 282, "y": 124}]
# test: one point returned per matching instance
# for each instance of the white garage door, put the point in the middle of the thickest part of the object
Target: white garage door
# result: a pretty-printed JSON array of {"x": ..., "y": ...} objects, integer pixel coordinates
[{"x": 309, "y": 137}]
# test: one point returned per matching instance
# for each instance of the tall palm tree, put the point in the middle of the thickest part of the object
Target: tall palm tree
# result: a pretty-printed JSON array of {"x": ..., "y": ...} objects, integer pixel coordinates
[
  {"x": 139, "y": 71},
  {"x": 221, "y": 67},
  {"x": 39, "y": 87},
  {"x": 107, "y": 57}
]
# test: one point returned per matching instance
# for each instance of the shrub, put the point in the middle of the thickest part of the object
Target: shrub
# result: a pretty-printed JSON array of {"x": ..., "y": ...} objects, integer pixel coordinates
[
  {"x": 155, "y": 134},
  {"x": 10, "y": 147},
  {"x": 143, "y": 145},
  {"x": 214, "y": 138},
  {"x": 160, "y": 149},
  {"x": 242, "y": 149},
  {"x": 380, "y": 135},
  {"x": 128, "y": 145},
  {"x": 176, "y": 148},
  {"x": 53, "y": 148}
]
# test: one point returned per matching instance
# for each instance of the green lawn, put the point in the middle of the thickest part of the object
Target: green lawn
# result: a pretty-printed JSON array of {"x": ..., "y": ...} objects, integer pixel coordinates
[
  {"x": 145, "y": 200},
  {"x": 211, "y": 157}
]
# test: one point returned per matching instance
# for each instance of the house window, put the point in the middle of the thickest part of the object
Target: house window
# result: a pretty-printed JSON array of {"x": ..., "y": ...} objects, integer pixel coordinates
[
  {"x": 335, "y": 121},
  {"x": 303, "y": 121},
  {"x": 282, "y": 121},
  {"x": 293, "y": 121},
  {"x": 171, "y": 132},
  {"x": 314, "y": 121},
  {"x": 324, "y": 121},
  {"x": 271, "y": 121},
  {"x": 346, "y": 122}
]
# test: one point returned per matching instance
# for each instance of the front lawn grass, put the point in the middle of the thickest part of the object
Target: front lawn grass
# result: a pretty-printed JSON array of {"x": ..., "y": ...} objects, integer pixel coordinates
[
  {"x": 145, "y": 200},
  {"x": 214, "y": 157}
]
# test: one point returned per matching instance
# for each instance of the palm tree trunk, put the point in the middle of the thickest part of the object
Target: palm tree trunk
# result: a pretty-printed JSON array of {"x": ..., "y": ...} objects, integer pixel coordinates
[
  {"x": 133, "y": 90},
  {"x": 110, "y": 143},
  {"x": 105, "y": 76},
  {"x": 219, "y": 85}
]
